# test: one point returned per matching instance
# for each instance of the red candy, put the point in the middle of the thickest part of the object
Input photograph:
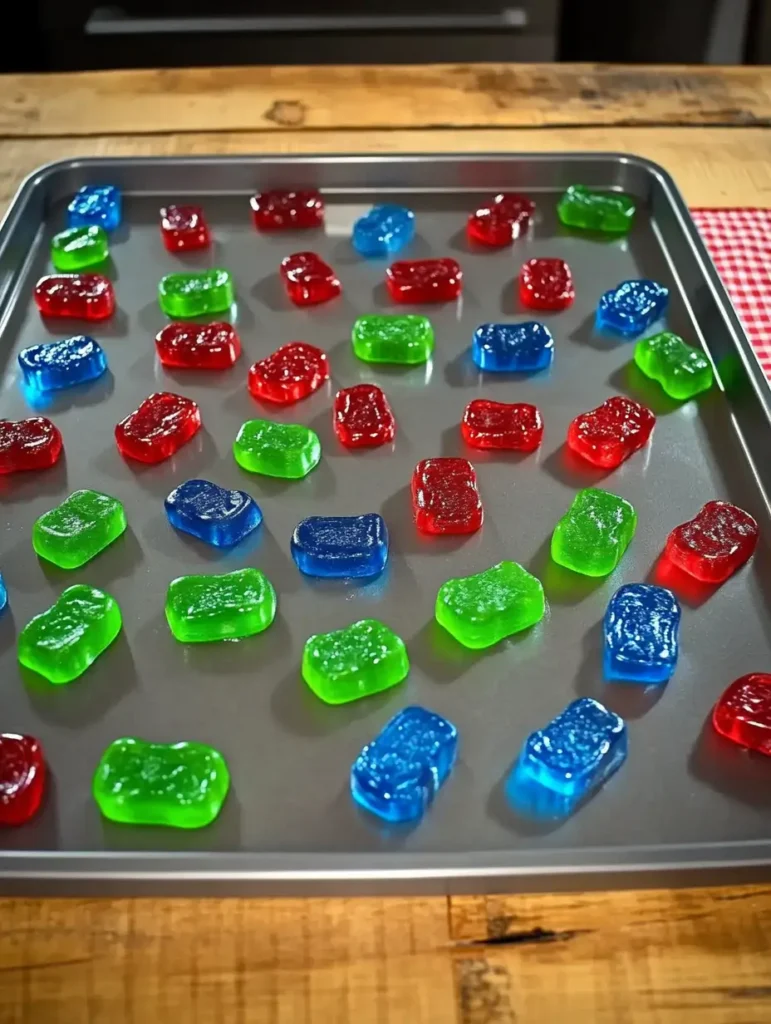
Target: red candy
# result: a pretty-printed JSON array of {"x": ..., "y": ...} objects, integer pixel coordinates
[
  {"x": 743, "y": 713},
  {"x": 158, "y": 428},
  {"x": 34, "y": 443},
  {"x": 308, "y": 279},
  {"x": 424, "y": 280},
  {"x": 714, "y": 544},
  {"x": 292, "y": 372},
  {"x": 22, "y": 778},
  {"x": 363, "y": 417},
  {"x": 445, "y": 498},
  {"x": 546, "y": 284},
  {"x": 278, "y": 210},
  {"x": 502, "y": 221},
  {"x": 82, "y": 296},
  {"x": 609, "y": 434},
  {"x": 184, "y": 228},
  {"x": 515, "y": 427},
  {"x": 198, "y": 346}
]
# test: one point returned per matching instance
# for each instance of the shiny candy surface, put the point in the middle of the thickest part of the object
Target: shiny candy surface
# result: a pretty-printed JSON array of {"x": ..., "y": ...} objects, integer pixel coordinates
[
  {"x": 609, "y": 434},
  {"x": 22, "y": 778},
  {"x": 78, "y": 248},
  {"x": 362, "y": 417},
  {"x": 308, "y": 279},
  {"x": 546, "y": 284},
  {"x": 99, "y": 205},
  {"x": 517, "y": 348},
  {"x": 286, "y": 450},
  {"x": 354, "y": 662},
  {"x": 77, "y": 530},
  {"x": 743, "y": 713},
  {"x": 417, "y": 281},
  {"x": 200, "y": 609},
  {"x": 184, "y": 228},
  {"x": 594, "y": 533},
  {"x": 501, "y": 221},
  {"x": 515, "y": 426},
  {"x": 593, "y": 210},
  {"x": 632, "y": 307},
  {"x": 292, "y": 372},
  {"x": 383, "y": 231},
  {"x": 198, "y": 293},
  {"x": 198, "y": 346},
  {"x": 77, "y": 296},
  {"x": 392, "y": 338},
  {"x": 445, "y": 498},
  {"x": 715, "y": 543},
  {"x": 482, "y": 609},
  {"x": 161, "y": 425},
  {"x": 287, "y": 210},
  {"x": 641, "y": 628},
  {"x": 62, "y": 364},
  {"x": 339, "y": 547},
  {"x": 30, "y": 444},
  {"x": 213, "y": 514},
  {"x": 681, "y": 370}
]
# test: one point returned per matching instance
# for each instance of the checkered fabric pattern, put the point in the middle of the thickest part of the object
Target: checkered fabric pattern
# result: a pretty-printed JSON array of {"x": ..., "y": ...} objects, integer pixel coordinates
[{"x": 739, "y": 242}]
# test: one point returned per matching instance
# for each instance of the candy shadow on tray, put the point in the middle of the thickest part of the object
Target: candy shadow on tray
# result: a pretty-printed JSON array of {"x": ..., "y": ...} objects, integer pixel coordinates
[
  {"x": 19, "y": 487},
  {"x": 48, "y": 403},
  {"x": 587, "y": 333},
  {"x": 686, "y": 588},
  {"x": 570, "y": 469},
  {"x": 561, "y": 585},
  {"x": 117, "y": 560},
  {"x": 630, "y": 380},
  {"x": 192, "y": 460},
  {"x": 506, "y": 806},
  {"x": 441, "y": 657},
  {"x": 117, "y": 326},
  {"x": 728, "y": 768},
  {"x": 7, "y": 628},
  {"x": 42, "y": 831},
  {"x": 235, "y": 657},
  {"x": 627, "y": 699},
  {"x": 224, "y": 833}
]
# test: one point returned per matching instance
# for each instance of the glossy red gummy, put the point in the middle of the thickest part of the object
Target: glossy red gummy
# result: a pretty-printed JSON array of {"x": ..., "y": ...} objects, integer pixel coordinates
[
  {"x": 362, "y": 417},
  {"x": 743, "y": 713},
  {"x": 714, "y": 544},
  {"x": 515, "y": 426},
  {"x": 184, "y": 228},
  {"x": 279, "y": 210},
  {"x": 609, "y": 434},
  {"x": 34, "y": 443},
  {"x": 546, "y": 284},
  {"x": 292, "y": 372},
  {"x": 445, "y": 498},
  {"x": 502, "y": 221},
  {"x": 158, "y": 428},
  {"x": 308, "y": 279},
  {"x": 22, "y": 778},
  {"x": 81, "y": 296},
  {"x": 424, "y": 280},
  {"x": 198, "y": 346}
]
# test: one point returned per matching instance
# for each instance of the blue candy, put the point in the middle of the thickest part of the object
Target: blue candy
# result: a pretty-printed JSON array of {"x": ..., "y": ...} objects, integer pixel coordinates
[
  {"x": 62, "y": 364},
  {"x": 341, "y": 546},
  {"x": 631, "y": 307},
  {"x": 384, "y": 230},
  {"x": 399, "y": 773},
  {"x": 641, "y": 627},
  {"x": 95, "y": 204},
  {"x": 3, "y": 593},
  {"x": 212, "y": 513},
  {"x": 503, "y": 348}
]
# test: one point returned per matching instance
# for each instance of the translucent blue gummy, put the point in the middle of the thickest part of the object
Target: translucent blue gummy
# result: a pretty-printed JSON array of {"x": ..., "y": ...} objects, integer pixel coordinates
[
  {"x": 641, "y": 626},
  {"x": 384, "y": 230},
  {"x": 3, "y": 594},
  {"x": 62, "y": 364},
  {"x": 399, "y": 773},
  {"x": 341, "y": 546},
  {"x": 212, "y": 513},
  {"x": 631, "y": 307},
  {"x": 95, "y": 204},
  {"x": 505, "y": 348}
]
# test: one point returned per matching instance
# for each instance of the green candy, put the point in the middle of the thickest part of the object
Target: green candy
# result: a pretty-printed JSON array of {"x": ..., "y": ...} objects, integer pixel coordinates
[
  {"x": 286, "y": 450},
  {"x": 592, "y": 210},
  {"x": 594, "y": 533},
  {"x": 183, "y": 785},
  {"x": 354, "y": 662},
  {"x": 77, "y": 248},
  {"x": 65, "y": 640},
  {"x": 228, "y": 607},
  {"x": 75, "y": 531},
  {"x": 482, "y": 609},
  {"x": 393, "y": 339},
  {"x": 682, "y": 371},
  {"x": 186, "y": 295}
]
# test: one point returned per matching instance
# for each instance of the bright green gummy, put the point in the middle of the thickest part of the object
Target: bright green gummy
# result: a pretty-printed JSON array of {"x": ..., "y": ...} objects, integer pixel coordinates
[
  {"x": 179, "y": 784},
  {"x": 76, "y": 248},
  {"x": 480, "y": 610},
  {"x": 227, "y": 607},
  {"x": 594, "y": 533},
  {"x": 75, "y": 531},
  {"x": 186, "y": 295},
  {"x": 286, "y": 450},
  {"x": 682, "y": 371},
  {"x": 63, "y": 641},
  {"x": 592, "y": 210},
  {"x": 354, "y": 662},
  {"x": 393, "y": 339}
]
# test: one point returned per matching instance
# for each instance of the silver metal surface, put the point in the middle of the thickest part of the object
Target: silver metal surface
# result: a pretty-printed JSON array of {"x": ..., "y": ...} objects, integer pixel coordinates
[{"x": 685, "y": 807}]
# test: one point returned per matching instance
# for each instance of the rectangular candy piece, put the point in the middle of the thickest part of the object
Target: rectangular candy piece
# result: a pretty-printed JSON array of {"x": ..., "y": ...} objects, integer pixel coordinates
[
  {"x": 681, "y": 370},
  {"x": 608, "y": 435},
  {"x": 211, "y": 513},
  {"x": 78, "y": 248},
  {"x": 237, "y": 604},
  {"x": 354, "y": 662},
  {"x": 714, "y": 544},
  {"x": 341, "y": 547},
  {"x": 594, "y": 533},
  {"x": 77, "y": 530},
  {"x": 514, "y": 426},
  {"x": 641, "y": 628},
  {"x": 98, "y": 205},
  {"x": 79, "y": 296},
  {"x": 743, "y": 713},
  {"x": 482, "y": 609},
  {"x": 161, "y": 425},
  {"x": 593, "y": 210},
  {"x": 308, "y": 279},
  {"x": 383, "y": 231},
  {"x": 198, "y": 346},
  {"x": 63, "y": 641},
  {"x": 30, "y": 444},
  {"x": 399, "y": 773},
  {"x": 445, "y": 498},
  {"x": 196, "y": 294},
  {"x": 546, "y": 284},
  {"x": 513, "y": 348},
  {"x": 631, "y": 307},
  {"x": 501, "y": 221},
  {"x": 184, "y": 228},
  {"x": 362, "y": 417},
  {"x": 406, "y": 340},
  {"x": 412, "y": 281},
  {"x": 286, "y": 450},
  {"x": 62, "y": 364},
  {"x": 282, "y": 210},
  {"x": 182, "y": 785},
  {"x": 289, "y": 374},
  {"x": 22, "y": 778}
]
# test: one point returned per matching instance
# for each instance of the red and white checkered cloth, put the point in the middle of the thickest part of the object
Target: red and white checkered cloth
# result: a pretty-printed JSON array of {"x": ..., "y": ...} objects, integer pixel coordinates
[{"x": 739, "y": 242}]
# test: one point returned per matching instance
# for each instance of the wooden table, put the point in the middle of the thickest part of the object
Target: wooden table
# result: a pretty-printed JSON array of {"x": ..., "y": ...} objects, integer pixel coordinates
[{"x": 701, "y": 955}]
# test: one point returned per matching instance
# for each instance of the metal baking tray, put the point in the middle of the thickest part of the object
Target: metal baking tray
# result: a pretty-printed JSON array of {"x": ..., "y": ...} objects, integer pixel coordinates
[{"x": 686, "y": 807}]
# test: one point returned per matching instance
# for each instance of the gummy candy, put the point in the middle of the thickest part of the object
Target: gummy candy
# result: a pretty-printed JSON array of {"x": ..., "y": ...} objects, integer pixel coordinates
[
  {"x": 22, "y": 778},
  {"x": 482, "y": 609},
  {"x": 77, "y": 530},
  {"x": 383, "y": 231},
  {"x": 713, "y": 545},
  {"x": 196, "y": 294},
  {"x": 286, "y": 450},
  {"x": 308, "y": 279},
  {"x": 63, "y": 641},
  {"x": 681, "y": 370},
  {"x": 30, "y": 444},
  {"x": 414, "y": 281},
  {"x": 341, "y": 547},
  {"x": 161, "y": 425},
  {"x": 743, "y": 712},
  {"x": 292, "y": 372},
  {"x": 609, "y": 434},
  {"x": 521, "y": 348},
  {"x": 445, "y": 498},
  {"x": 77, "y": 248},
  {"x": 184, "y": 228},
  {"x": 641, "y": 634},
  {"x": 182, "y": 785},
  {"x": 399, "y": 773},
  {"x": 594, "y": 533},
  {"x": 593, "y": 210},
  {"x": 211, "y": 513},
  {"x": 213, "y": 346},
  {"x": 280, "y": 210},
  {"x": 513, "y": 427},
  {"x": 502, "y": 220},
  {"x": 237, "y": 604},
  {"x": 393, "y": 339},
  {"x": 354, "y": 662},
  {"x": 362, "y": 417},
  {"x": 62, "y": 364},
  {"x": 546, "y": 284},
  {"x": 95, "y": 204},
  {"x": 80, "y": 296},
  {"x": 631, "y": 307}
]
